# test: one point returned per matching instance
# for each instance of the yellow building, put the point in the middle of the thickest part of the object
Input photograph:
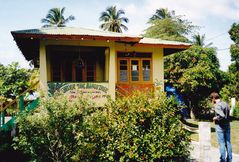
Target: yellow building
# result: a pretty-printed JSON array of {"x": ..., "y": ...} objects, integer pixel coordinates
[{"x": 95, "y": 61}]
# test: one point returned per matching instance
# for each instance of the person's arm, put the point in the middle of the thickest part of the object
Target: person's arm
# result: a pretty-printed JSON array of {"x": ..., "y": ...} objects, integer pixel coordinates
[{"x": 219, "y": 112}]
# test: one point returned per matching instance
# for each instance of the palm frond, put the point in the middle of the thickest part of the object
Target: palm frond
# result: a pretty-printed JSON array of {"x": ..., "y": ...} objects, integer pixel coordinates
[
  {"x": 112, "y": 20},
  {"x": 124, "y": 27},
  {"x": 124, "y": 19},
  {"x": 55, "y": 17}
]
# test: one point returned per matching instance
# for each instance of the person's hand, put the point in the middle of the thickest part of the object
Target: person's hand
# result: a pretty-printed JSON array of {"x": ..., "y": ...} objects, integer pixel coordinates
[{"x": 215, "y": 118}]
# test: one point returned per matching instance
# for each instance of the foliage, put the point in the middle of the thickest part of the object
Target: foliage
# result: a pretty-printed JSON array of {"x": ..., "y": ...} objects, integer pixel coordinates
[
  {"x": 53, "y": 132},
  {"x": 142, "y": 128},
  {"x": 162, "y": 13},
  {"x": 7, "y": 153},
  {"x": 55, "y": 17},
  {"x": 234, "y": 32},
  {"x": 199, "y": 40},
  {"x": 168, "y": 26},
  {"x": 236, "y": 110},
  {"x": 139, "y": 128},
  {"x": 112, "y": 20},
  {"x": 232, "y": 89},
  {"x": 13, "y": 80},
  {"x": 195, "y": 74}
]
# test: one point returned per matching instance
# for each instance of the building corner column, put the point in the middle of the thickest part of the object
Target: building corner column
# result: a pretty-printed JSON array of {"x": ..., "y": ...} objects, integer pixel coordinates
[
  {"x": 112, "y": 71},
  {"x": 43, "y": 68},
  {"x": 158, "y": 69}
]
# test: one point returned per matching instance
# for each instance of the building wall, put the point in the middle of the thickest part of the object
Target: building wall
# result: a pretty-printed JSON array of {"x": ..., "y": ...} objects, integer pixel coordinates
[
  {"x": 111, "y": 60},
  {"x": 157, "y": 61}
]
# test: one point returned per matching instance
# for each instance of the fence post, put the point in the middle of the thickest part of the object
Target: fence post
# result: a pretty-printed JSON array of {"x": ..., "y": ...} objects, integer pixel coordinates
[
  {"x": 205, "y": 141},
  {"x": 233, "y": 104}
]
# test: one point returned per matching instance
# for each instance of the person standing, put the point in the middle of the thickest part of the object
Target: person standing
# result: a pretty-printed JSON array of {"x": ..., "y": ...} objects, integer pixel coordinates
[{"x": 222, "y": 125}]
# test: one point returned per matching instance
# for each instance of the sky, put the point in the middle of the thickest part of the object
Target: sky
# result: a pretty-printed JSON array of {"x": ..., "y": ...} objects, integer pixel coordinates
[{"x": 214, "y": 17}]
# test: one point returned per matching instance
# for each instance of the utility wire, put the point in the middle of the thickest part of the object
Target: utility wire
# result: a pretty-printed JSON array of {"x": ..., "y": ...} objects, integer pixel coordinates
[
  {"x": 219, "y": 35},
  {"x": 223, "y": 49}
]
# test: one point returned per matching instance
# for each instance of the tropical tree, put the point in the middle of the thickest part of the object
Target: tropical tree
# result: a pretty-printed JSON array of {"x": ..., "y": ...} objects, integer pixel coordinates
[
  {"x": 166, "y": 25},
  {"x": 55, "y": 17},
  {"x": 195, "y": 73},
  {"x": 199, "y": 40},
  {"x": 112, "y": 20},
  {"x": 13, "y": 80},
  {"x": 232, "y": 89},
  {"x": 162, "y": 13}
]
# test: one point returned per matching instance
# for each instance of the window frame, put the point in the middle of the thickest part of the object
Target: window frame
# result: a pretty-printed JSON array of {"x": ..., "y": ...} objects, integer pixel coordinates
[
  {"x": 129, "y": 59},
  {"x": 73, "y": 72}
]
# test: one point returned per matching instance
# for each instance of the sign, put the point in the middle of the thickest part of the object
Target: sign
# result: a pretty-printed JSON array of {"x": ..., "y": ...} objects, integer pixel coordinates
[{"x": 95, "y": 92}]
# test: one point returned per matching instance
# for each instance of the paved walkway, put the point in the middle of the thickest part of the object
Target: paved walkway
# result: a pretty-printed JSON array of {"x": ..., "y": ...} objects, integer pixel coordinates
[{"x": 214, "y": 153}]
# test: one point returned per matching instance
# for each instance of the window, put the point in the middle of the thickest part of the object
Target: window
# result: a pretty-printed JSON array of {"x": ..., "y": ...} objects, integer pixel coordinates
[
  {"x": 56, "y": 72},
  {"x": 134, "y": 70},
  {"x": 90, "y": 70},
  {"x": 123, "y": 77},
  {"x": 146, "y": 70},
  {"x": 69, "y": 71}
]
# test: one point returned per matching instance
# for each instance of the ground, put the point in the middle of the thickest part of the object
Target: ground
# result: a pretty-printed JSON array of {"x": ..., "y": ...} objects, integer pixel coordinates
[{"x": 234, "y": 135}]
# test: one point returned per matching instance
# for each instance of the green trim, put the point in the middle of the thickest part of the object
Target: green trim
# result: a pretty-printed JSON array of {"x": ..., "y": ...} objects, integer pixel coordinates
[
  {"x": 11, "y": 123},
  {"x": 21, "y": 103},
  {"x": 2, "y": 118}
]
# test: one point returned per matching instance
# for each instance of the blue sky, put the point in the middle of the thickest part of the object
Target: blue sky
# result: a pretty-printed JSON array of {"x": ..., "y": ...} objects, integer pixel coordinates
[{"x": 215, "y": 18}]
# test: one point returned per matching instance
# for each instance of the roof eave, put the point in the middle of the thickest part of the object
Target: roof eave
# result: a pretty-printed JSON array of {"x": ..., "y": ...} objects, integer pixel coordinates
[
  {"x": 75, "y": 37},
  {"x": 180, "y": 46},
  {"x": 168, "y": 49}
]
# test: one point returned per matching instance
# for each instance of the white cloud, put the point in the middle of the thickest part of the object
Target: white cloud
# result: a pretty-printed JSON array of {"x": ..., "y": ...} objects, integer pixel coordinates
[
  {"x": 214, "y": 16},
  {"x": 197, "y": 10},
  {"x": 131, "y": 9},
  {"x": 9, "y": 53},
  {"x": 9, "y": 56},
  {"x": 211, "y": 14}
]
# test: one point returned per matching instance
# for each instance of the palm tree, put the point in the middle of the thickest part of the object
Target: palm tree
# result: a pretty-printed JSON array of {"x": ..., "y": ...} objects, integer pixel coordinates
[
  {"x": 55, "y": 17},
  {"x": 112, "y": 20},
  {"x": 162, "y": 13},
  {"x": 199, "y": 40}
]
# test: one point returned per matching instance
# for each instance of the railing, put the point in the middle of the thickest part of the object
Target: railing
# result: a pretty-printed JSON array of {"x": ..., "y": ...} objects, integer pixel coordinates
[
  {"x": 20, "y": 101},
  {"x": 189, "y": 128},
  {"x": 121, "y": 91},
  {"x": 20, "y": 97},
  {"x": 128, "y": 89}
]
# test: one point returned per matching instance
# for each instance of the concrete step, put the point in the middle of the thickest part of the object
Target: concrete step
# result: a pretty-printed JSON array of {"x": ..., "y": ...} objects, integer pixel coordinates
[{"x": 214, "y": 153}]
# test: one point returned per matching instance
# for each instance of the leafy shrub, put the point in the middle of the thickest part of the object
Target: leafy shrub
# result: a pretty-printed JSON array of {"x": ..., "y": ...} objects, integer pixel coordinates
[
  {"x": 139, "y": 128},
  {"x": 7, "y": 153},
  {"x": 236, "y": 110},
  {"x": 53, "y": 132}
]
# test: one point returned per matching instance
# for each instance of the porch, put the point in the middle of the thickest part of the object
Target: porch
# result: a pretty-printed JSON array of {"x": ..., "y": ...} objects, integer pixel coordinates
[{"x": 86, "y": 68}]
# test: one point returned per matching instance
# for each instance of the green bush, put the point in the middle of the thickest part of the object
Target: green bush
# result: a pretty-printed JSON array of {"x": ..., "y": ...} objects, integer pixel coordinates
[
  {"x": 236, "y": 110},
  {"x": 53, "y": 132},
  {"x": 139, "y": 128},
  {"x": 7, "y": 153}
]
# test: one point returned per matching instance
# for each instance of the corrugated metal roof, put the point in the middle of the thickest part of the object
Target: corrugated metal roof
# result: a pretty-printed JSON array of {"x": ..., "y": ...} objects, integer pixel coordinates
[
  {"x": 161, "y": 42},
  {"x": 79, "y": 31},
  {"x": 28, "y": 40},
  {"x": 73, "y": 31}
]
